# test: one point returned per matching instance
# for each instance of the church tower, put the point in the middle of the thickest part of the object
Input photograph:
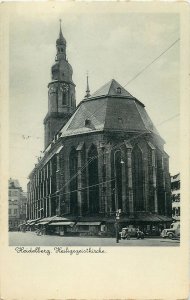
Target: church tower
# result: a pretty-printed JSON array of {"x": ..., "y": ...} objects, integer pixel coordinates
[{"x": 61, "y": 92}]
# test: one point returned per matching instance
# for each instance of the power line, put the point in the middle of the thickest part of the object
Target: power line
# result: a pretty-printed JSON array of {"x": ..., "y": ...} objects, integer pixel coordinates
[
  {"x": 56, "y": 194},
  {"x": 171, "y": 118},
  {"x": 118, "y": 145},
  {"x": 138, "y": 74},
  {"x": 26, "y": 137},
  {"x": 113, "y": 147},
  {"x": 154, "y": 60}
]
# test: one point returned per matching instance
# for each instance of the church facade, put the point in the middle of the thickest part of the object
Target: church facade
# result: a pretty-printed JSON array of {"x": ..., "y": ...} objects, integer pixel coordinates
[{"x": 102, "y": 157}]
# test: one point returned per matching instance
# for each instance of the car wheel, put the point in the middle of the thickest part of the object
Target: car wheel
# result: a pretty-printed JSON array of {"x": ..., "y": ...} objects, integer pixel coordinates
[{"x": 170, "y": 235}]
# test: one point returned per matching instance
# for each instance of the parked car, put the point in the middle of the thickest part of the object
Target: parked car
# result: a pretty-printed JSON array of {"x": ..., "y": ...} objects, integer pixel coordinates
[
  {"x": 140, "y": 235},
  {"x": 128, "y": 232},
  {"x": 172, "y": 232},
  {"x": 124, "y": 234}
]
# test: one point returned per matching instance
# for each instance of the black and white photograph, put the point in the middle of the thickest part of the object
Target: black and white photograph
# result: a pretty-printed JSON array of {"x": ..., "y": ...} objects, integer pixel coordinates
[
  {"x": 94, "y": 150},
  {"x": 94, "y": 130}
]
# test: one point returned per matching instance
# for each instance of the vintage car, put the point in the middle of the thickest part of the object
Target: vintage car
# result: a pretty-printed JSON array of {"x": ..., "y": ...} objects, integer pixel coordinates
[
  {"x": 128, "y": 232},
  {"x": 124, "y": 234},
  {"x": 172, "y": 232}
]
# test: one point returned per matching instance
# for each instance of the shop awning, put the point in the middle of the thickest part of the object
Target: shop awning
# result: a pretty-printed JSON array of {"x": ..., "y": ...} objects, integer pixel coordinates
[
  {"x": 32, "y": 222},
  {"x": 146, "y": 217},
  {"x": 42, "y": 223},
  {"x": 89, "y": 223},
  {"x": 56, "y": 219},
  {"x": 61, "y": 224},
  {"x": 153, "y": 218}
]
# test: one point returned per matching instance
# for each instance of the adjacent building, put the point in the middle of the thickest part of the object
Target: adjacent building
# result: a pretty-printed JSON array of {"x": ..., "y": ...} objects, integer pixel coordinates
[
  {"x": 175, "y": 195},
  {"x": 101, "y": 157},
  {"x": 17, "y": 205}
]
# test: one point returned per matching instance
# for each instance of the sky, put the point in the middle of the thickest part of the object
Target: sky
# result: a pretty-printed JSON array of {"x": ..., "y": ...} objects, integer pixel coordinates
[{"x": 116, "y": 45}]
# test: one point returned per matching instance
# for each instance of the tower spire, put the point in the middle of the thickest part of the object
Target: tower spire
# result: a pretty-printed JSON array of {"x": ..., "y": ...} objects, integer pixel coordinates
[
  {"x": 87, "y": 87},
  {"x": 60, "y": 29},
  {"x": 61, "y": 45}
]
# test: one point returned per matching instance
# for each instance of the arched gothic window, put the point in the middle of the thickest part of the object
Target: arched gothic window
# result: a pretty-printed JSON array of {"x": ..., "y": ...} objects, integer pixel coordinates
[
  {"x": 73, "y": 165},
  {"x": 138, "y": 178},
  {"x": 116, "y": 183},
  {"x": 93, "y": 180}
]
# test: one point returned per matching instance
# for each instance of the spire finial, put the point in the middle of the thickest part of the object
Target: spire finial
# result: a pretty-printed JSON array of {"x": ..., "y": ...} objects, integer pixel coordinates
[
  {"x": 87, "y": 87},
  {"x": 60, "y": 28}
]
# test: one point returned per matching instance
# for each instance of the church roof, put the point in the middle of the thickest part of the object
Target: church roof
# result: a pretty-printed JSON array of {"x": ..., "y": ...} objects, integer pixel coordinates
[
  {"x": 108, "y": 110},
  {"x": 112, "y": 88}
]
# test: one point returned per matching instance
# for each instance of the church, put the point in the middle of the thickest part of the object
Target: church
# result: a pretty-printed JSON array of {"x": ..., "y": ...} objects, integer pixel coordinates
[{"x": 103, "y": 162}]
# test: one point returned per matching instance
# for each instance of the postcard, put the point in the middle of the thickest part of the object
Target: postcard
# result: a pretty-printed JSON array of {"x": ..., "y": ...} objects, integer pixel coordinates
[{"x": 95, "y": 150}]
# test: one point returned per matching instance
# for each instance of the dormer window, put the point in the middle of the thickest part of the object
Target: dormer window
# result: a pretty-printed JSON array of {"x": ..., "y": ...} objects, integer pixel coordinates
[
  {"x": 87, "y": 122},
  {"x": 118, "y": 90}
]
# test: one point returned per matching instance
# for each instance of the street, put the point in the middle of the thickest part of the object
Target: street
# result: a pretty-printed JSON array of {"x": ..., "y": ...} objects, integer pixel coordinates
[{"x": 31, "y": 239}]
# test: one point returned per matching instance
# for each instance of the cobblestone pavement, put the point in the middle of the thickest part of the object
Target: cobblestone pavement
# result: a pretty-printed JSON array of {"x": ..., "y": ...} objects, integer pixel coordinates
[{"x": 31, "y": 239}]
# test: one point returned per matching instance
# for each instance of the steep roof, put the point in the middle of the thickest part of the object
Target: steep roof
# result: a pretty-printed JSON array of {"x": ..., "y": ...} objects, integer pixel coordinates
[
  {"x": 109, "y": 109},
  {"x": 111, "y": 89}
]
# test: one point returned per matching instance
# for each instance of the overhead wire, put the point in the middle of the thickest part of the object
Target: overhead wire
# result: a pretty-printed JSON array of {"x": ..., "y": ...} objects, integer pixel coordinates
[
  {"x": 115, "y": 146},
  {"x": 138, "y": 74},
  {"x": 110, "y": 149},
  {"x": 133, "y": 78},
  {"x": 153, "y": 61}
]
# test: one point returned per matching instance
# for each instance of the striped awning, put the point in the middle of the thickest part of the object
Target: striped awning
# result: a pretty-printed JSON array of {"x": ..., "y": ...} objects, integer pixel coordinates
[
  {"x": 153, "y": 218},
  {"x": 32, "y": 223},
  {"x": 43, "y": 223},
  {"x": 88, "y": 223},
  {"x": 61, "y": 224}
]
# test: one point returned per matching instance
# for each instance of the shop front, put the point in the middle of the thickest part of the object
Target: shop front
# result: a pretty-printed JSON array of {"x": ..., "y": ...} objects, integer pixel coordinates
[
  {"x": 88, "y": 228},
  {"x": 150, "y": 224},
  {"x": 60, "y": 228}
]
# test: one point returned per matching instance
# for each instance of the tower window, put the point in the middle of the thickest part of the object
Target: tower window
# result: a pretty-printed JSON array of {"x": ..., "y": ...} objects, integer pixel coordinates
[
  {"x": 64, "y": 98},
  {"x": 120, "y": 120}
]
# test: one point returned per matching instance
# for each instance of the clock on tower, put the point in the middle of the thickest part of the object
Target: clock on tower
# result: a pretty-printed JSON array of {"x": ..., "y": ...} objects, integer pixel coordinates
[{"x": 61, "y": 94}]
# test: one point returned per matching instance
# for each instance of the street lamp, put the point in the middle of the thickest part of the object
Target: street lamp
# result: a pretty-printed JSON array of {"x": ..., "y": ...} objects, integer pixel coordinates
[{"x": 118, "y": 211}]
